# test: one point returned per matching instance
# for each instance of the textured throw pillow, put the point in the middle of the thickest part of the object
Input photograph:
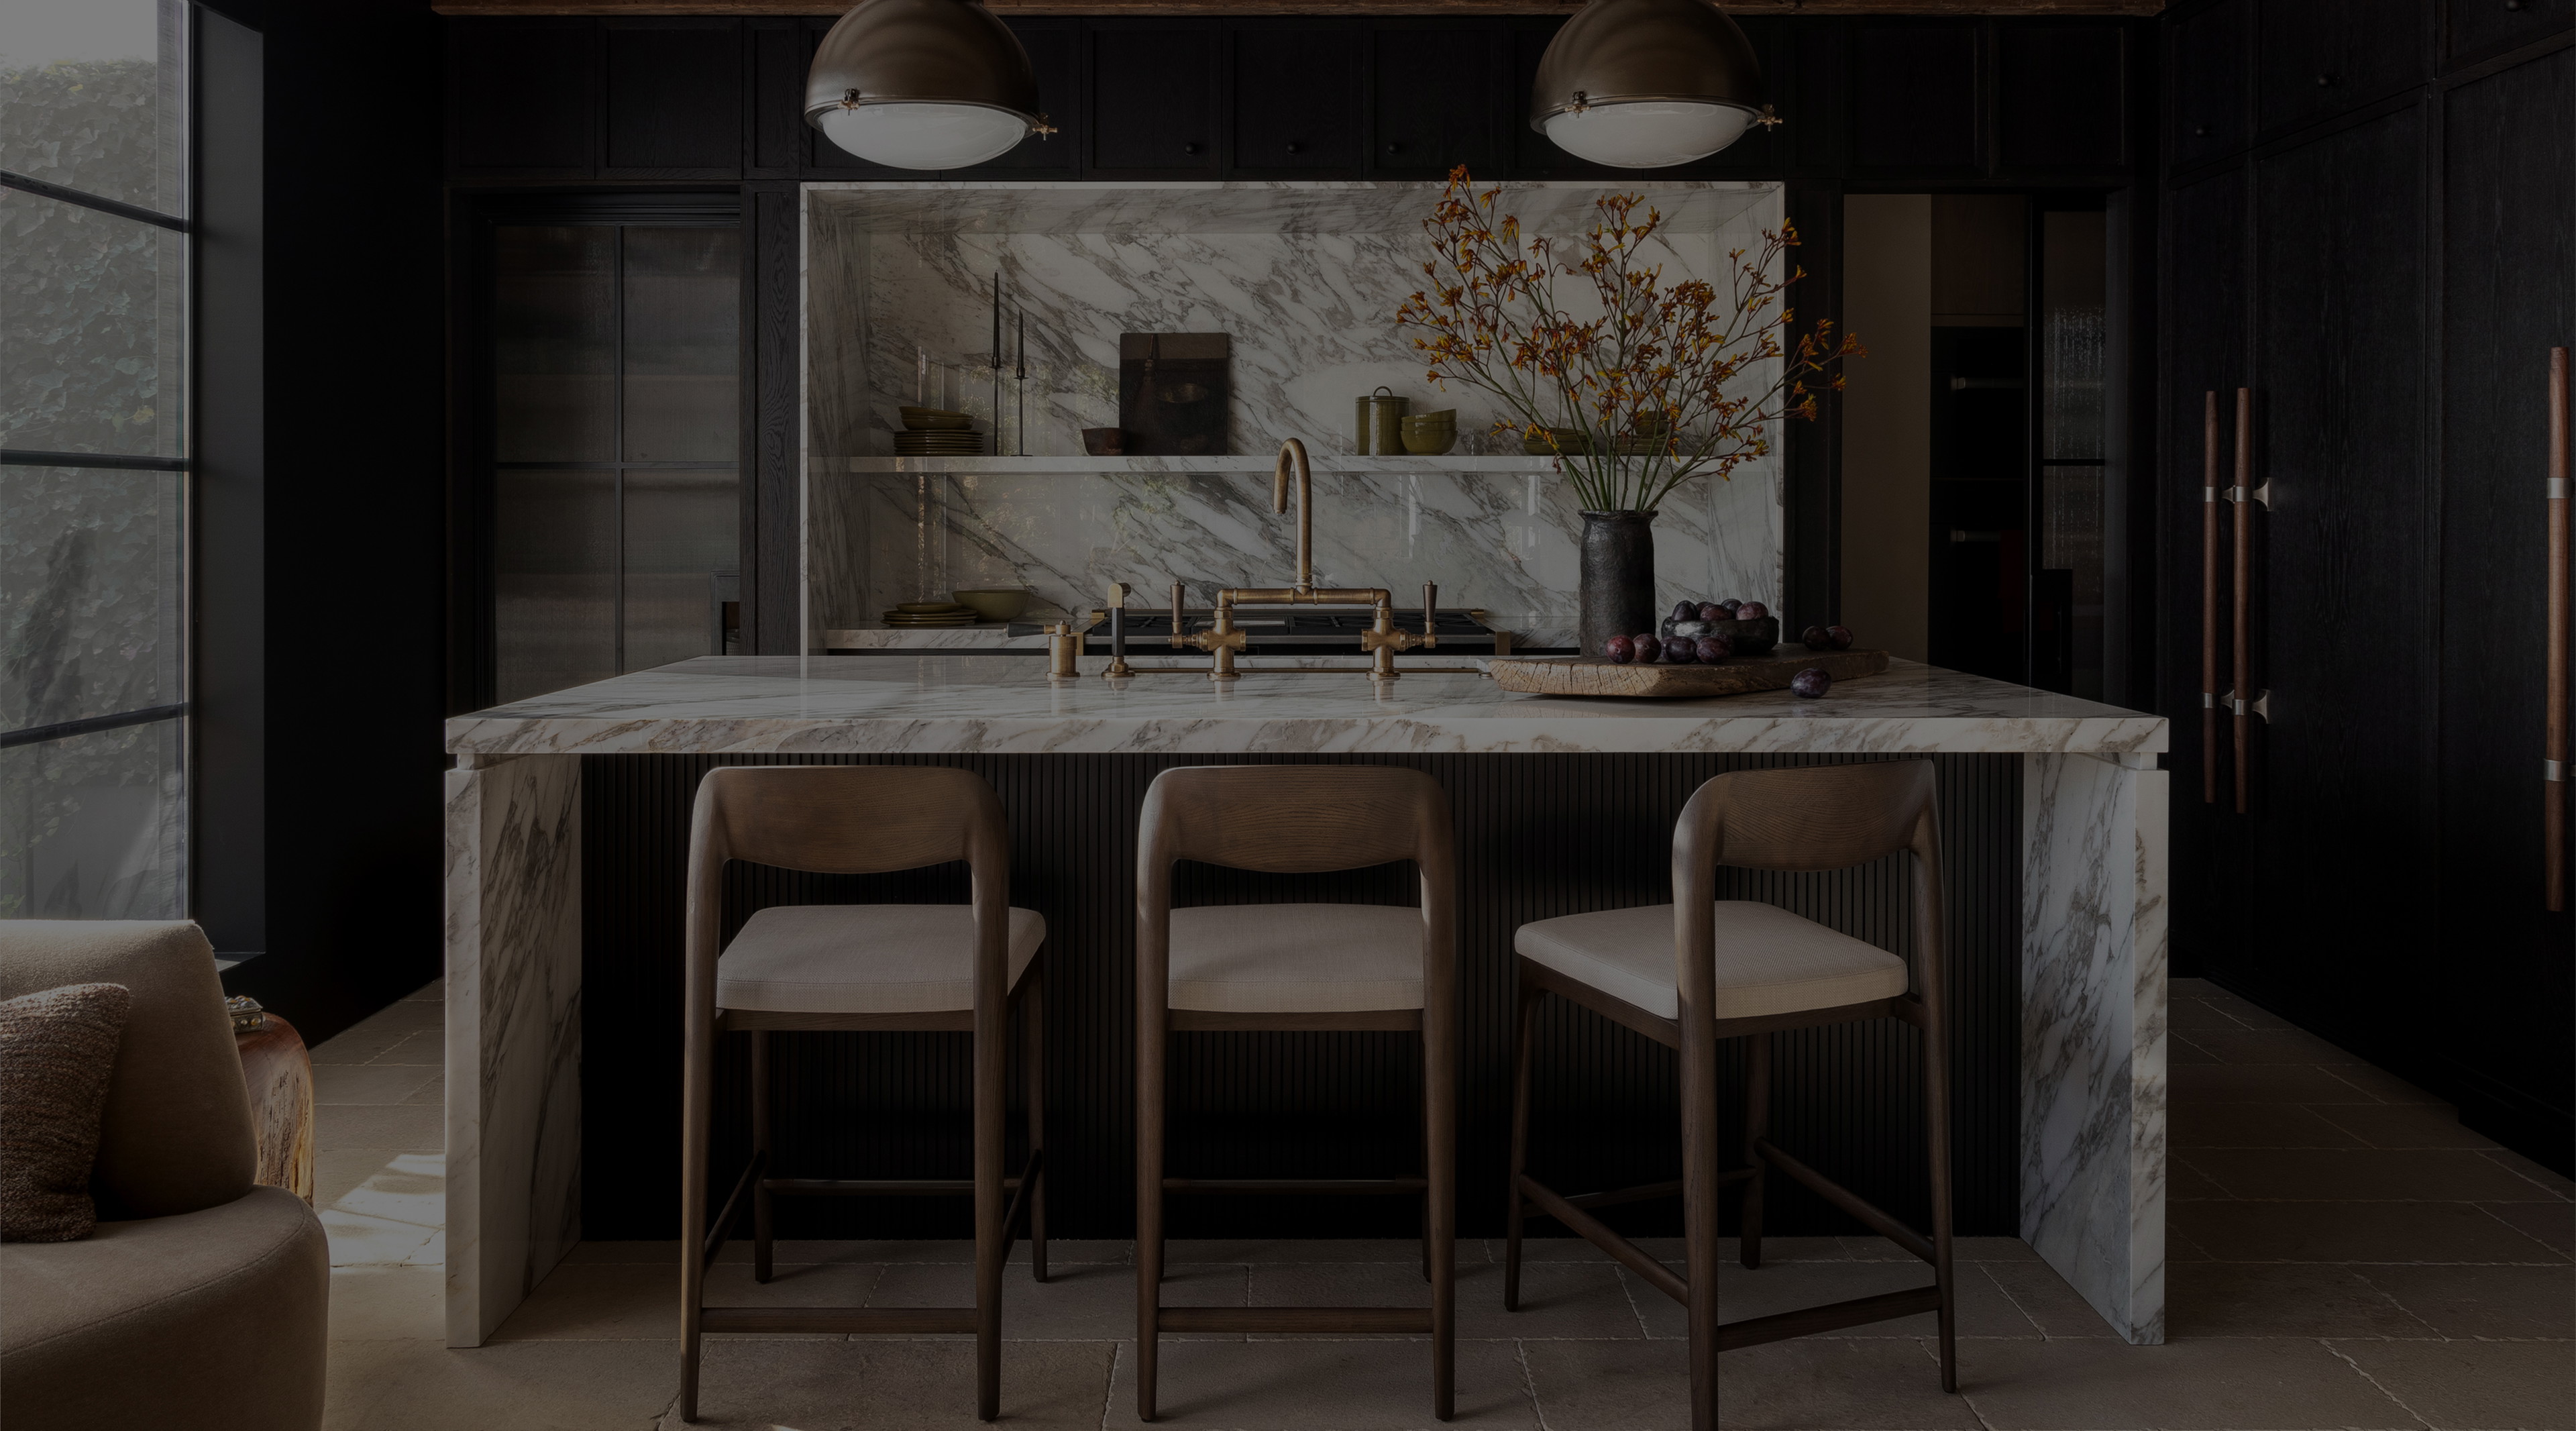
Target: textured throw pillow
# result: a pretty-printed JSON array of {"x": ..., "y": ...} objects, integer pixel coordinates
[{"x": 57, "y": 1051}]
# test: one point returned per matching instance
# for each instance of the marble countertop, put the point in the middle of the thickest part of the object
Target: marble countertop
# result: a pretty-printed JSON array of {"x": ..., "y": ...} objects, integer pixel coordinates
[{"x": 1005, "y": 704}]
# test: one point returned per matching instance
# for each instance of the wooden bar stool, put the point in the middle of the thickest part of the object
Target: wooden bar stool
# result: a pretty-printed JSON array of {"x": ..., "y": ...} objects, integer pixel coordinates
[
  {"x": 1307, "y": 967},
  {"x": 958, "y": 968},
  {"x": 1689, "y": 973}
]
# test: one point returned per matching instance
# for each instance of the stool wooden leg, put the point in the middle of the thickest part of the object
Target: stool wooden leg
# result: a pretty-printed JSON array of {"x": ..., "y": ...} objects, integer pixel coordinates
[
  {"x": 760, "y": 1149},
  {"x": 1524, "y": 1037},
  {"x": 1440, "y": 1120},
  {"x": 1033, "y": 1074},
  {"x": 1153, "y": 1047},
  {"x": 992, "y": 1054},
  {"x": 1699, "y": 1212},
  {"x": 1936, "y": 1094},
  {"x": 697, "y": 1090},
  {"x": 1757, "y": 1125}
]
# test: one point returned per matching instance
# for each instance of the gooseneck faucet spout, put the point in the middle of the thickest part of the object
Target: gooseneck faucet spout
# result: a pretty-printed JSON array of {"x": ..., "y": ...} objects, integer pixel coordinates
[{"x": 1294, "y": 451}]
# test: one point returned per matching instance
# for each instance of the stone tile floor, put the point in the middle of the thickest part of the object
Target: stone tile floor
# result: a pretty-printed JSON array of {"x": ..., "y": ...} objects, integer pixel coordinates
[{"x": 2344, "y": 1254}]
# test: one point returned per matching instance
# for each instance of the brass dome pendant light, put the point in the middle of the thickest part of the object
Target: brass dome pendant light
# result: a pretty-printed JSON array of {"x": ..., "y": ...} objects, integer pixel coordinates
[
  {"x": 1642, "y": 84},
  {"x": 923, "y": 84}
]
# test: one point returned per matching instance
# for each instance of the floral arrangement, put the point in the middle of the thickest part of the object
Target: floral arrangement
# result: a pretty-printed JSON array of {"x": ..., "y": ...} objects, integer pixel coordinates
[{"x": 1656, "y": 389}]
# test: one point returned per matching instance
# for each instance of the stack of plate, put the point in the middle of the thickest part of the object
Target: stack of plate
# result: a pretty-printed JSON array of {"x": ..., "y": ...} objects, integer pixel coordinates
[
  {"x": 937, "y": 432},
  {"x": 930, "y": 613}
]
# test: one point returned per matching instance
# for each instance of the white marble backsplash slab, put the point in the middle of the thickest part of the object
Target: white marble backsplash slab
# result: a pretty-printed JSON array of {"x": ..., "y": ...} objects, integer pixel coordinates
[{"x": 1310, "y": 310}]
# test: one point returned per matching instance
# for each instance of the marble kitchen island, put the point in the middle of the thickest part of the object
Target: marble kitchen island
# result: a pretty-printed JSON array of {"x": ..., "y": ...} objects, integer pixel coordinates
[{"x": 2054, "y": 813}]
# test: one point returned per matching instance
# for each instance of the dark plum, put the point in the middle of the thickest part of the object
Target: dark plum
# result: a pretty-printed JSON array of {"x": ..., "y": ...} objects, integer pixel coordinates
[
  {"x": 1620, "y": 649},
  {"x": 1816, "y": 638},
  {"x": 1729, "y": 605},
  {"x": 1842, "y": 637},
  {"x": 1751, "y": 611},
  {"x": 1685, "y": 610},
  {"x": 1711, "y": 611},
  {"x": 1647, "y": 647},
  {"x": 1681, "y": 651},
  {"x": 1713, "y": 649},
  {"x": 1811, "y": 682}
]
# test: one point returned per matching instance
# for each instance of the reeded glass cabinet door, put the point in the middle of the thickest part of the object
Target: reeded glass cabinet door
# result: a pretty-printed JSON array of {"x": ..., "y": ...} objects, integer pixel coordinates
[{"x": 614, "y": 432}]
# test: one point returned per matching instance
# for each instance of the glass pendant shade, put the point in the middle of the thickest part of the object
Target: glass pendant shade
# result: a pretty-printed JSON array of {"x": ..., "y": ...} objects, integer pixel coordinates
[
  {"x": 1642, "y": 84},
  {"x": 923, "y": 84}
]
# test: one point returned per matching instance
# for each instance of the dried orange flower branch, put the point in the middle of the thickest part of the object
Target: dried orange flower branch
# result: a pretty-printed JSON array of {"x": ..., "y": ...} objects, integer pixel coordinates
[{"x": 1664, "y": 383}]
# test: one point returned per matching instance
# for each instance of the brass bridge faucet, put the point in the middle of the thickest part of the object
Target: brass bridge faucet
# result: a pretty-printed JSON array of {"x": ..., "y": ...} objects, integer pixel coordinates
[{"x": 1381, "y": 640}]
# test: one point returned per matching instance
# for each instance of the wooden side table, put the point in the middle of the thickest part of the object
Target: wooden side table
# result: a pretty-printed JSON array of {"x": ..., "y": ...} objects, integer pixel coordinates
[{"x": 277, "y": 1070}]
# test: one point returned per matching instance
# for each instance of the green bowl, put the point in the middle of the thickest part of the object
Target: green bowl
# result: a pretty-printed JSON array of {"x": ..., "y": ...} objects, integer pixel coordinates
[{"x": 1429, "y": 444}]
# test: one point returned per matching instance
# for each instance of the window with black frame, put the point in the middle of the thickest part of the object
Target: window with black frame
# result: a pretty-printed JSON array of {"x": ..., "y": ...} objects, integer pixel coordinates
[{"x": 94, "y": 484}]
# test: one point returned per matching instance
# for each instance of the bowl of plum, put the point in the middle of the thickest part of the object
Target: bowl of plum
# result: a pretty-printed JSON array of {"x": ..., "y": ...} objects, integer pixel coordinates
[{"x": 1741, "y": 628}]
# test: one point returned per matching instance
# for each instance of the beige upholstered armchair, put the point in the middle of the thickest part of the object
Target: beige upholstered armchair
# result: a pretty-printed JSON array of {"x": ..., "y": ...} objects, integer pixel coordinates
[{"x": 201, "y": 1300}]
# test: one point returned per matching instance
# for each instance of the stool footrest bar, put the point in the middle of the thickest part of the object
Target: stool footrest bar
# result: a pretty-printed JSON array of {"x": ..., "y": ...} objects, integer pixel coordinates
[
  {"x": 1806, "y": 1321},
  {"x": 1337, "y": 1186},
  {"x": 733, "y": 1205},
  {"x": 1662, "y": 1278},
  {"x": 1645, "y": 1192},
  {"x": 877, "y": 1187},
  {"x": 883, "y": 1321},
  {"x": 1292, "y": 1321},
  {"x": 1842, "y": 1197}
]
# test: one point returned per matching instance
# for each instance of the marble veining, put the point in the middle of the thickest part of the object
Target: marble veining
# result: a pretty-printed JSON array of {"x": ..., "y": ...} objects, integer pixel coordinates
[
  {"x": 1308, "y": 298},
  {"x": 1005, "y": 703},
  {"x": 2093, "y": 1034},
  {"x": 513, "y": 1034}
]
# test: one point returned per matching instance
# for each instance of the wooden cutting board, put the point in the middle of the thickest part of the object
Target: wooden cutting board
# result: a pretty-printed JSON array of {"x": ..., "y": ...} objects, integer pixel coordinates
[{"x": 1596, "y": 676}]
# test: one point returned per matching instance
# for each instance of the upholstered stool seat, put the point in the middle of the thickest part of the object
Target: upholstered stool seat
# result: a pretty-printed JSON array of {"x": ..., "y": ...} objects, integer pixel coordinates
[
  {"x": 863, "y": 958},
  {"x": 1769, "y": 961},
  {"x": 1297, "y": 958}
]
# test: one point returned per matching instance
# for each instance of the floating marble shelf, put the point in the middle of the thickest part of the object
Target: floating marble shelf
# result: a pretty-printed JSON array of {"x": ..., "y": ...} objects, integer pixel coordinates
[{"x": 1115, "y": 466}]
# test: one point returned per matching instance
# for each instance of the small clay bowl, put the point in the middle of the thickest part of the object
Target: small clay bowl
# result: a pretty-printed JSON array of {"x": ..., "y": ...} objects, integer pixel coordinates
[
  {"x": 1104, "y": 441},
  {"x": 1429, "y": 443}
]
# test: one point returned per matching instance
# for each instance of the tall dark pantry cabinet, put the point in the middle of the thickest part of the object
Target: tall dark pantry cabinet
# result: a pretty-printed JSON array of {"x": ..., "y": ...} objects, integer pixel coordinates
[{"x": 2370, "y": 226}]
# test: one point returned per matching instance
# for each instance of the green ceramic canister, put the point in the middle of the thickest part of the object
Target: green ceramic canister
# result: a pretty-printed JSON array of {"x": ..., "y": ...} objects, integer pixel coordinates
[{"x": 1383, "y": 432}]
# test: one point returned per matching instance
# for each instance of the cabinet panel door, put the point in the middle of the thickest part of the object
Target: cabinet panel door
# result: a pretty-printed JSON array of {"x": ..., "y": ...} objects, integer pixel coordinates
[
  {"x": 522, "y": 96},
  {"x": 1914, "y": 95},
  {"x": 1150, "y": 110},
  {"x": 2207, "y": 64},
  {"x": 2322, "y": 57},
  {"x": 1052, "y": 47},
  {"x": 2344, "y": 608},
  {"x": 775, "y": 49},
  {"x": 2478, "y": 28},
  {"x": 2061, "y": 96},
  {"x": 674, "y": 98},
  {"x": 1435, "y": 101},
  {"x": 2508, "y": 266},
  {"x": 2205, "y": 326},
  {"x": 1297, "y": 97}
]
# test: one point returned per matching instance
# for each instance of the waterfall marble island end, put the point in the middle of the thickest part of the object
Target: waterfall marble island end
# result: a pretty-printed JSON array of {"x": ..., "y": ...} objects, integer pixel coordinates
[{"x": 2088, "y": 957}]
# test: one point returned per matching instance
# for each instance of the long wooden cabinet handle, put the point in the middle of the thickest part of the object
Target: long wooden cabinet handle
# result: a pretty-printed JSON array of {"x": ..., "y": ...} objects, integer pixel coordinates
[
  {"x": 2241, "y": 697},
  {"x": 2553, "y": 760},
  {"x": 2209, "y": 598}
]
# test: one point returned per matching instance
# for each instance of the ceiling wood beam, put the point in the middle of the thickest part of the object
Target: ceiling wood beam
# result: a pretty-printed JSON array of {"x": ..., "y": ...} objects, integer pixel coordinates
[{"x": 1300, "y": 7}]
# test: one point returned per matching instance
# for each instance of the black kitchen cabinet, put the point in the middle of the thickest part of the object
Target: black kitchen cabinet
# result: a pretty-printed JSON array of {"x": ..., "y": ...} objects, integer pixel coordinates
[
  {"x": 674, "y": 99},
  {"x": 2317, "y": 58},
  {"x": 2206, "y": 58},
  {"x": 1914, "y": 97},
  {"x": 1435, "y": 100},
  {"x": 776, "y": 56},
  {"x": 1054, "y": 49},
  {"x": 1152, "y": 101},
  {"x": 2344, "y": 620},
  {"x": 2476, "y": 29},
  {"x": 1297, "y": 98},
  {"x": 523, "y": 98},
  {"x": 2508, "y": 296},
  {"x": 2061, "y": 97}
]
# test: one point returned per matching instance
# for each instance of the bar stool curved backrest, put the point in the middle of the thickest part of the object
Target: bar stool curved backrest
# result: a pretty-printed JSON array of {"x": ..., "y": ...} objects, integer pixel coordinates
[
  {"x": 1297, "y": 968},
  {"x": 857, "y": 967},
  {"x": 1748, "y": 969}
]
